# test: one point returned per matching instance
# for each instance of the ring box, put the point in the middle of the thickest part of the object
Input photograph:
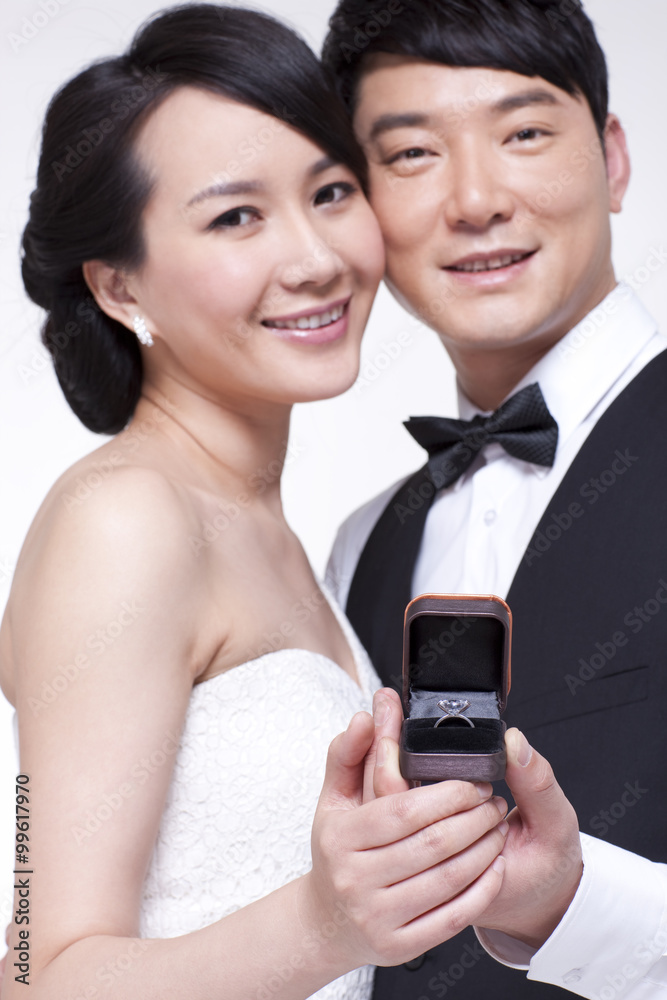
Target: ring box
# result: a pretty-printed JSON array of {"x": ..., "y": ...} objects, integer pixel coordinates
[{"x": 455, "y": 649}]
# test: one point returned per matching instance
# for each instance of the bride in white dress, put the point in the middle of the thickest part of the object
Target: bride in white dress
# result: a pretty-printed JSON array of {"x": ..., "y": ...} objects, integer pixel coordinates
[{"x": 202, "y": 246}]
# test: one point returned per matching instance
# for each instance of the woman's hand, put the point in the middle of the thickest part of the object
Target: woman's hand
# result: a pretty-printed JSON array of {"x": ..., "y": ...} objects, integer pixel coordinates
[
  {"x": 381, "y": 772},
  {"x": 396, "y": 875}
]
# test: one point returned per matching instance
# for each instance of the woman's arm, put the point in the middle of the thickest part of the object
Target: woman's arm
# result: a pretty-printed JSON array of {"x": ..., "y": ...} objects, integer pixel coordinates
[{"x": 109, "y": 596}]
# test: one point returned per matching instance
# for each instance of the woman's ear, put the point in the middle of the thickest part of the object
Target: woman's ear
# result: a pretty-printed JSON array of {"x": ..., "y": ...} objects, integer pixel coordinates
[
  {"x": 618, "y": 162},
  {"x": 109, "y": 288}
]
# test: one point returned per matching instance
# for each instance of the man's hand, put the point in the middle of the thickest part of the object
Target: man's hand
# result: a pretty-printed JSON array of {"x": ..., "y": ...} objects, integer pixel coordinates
[{"x": 542, "y": 851}]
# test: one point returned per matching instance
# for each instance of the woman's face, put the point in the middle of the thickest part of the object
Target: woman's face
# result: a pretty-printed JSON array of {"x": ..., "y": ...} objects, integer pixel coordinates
[{"x": 262, "y": 256}]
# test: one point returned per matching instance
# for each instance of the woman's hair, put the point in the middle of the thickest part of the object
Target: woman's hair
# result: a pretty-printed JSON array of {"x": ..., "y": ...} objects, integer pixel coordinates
[
  {"x": 91, "y": 190},
  {"x": 546, "y": 38}
]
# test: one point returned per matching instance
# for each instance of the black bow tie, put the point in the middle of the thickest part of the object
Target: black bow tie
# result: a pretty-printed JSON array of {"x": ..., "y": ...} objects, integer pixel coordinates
[{"x": 522, "y": 425}]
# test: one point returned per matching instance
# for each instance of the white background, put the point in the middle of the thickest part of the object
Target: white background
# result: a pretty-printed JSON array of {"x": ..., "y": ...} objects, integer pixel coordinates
[{"x": 347, "y": 449}]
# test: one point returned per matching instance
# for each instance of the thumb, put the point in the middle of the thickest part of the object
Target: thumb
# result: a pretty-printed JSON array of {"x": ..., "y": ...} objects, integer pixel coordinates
[
  {"x": 388, "y": 719},
  {"x": 538, "y": 796},
  {"x": 387, "y": 777},
  {"x": 344, "y": 777}
]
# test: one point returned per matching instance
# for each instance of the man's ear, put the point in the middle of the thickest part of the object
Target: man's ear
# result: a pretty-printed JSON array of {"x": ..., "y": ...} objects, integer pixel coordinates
[
  {"x": 618, "y": 162},
  {"x": 109, "y": 288}
]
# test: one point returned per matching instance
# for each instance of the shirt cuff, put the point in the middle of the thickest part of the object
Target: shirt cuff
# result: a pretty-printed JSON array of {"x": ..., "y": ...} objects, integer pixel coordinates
[{"x": 613, "y": 933}]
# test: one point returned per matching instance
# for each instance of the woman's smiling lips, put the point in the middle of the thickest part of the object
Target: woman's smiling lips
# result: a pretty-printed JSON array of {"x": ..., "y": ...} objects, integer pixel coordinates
[
  {"x": 312, "y": 326},
  {"x": 496, "y": 267}
]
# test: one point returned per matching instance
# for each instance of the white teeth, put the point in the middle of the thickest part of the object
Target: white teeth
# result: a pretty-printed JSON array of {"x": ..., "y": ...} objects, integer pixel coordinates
[
  {"x": 308, "y": 322},
  {"x": 492, "y": 264}
]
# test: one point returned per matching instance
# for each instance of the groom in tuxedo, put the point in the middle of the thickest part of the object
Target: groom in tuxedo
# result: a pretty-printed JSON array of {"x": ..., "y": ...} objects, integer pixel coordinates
[{"x": 493, "y": 168}]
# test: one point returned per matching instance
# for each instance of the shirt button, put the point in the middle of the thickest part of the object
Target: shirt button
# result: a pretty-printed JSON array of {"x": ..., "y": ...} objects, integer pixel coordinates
[
  {"x": 574, "y": 976},
  {"x": 490, "y": 517}
]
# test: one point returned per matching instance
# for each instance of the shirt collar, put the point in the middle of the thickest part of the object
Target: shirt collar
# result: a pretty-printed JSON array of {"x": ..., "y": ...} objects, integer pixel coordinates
[{"x": 578, "y": 371}]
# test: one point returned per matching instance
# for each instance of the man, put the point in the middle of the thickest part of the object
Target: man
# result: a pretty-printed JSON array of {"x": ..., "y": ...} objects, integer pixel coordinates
[{"x": 494, "y": 165}]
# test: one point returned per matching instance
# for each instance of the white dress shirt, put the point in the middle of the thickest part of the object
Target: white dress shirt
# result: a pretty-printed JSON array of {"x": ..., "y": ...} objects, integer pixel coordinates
[{"x": 476, "y": 533}]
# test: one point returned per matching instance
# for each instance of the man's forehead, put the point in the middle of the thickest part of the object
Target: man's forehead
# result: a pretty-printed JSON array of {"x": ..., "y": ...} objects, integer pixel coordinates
[{"x": 392, "y": 83}]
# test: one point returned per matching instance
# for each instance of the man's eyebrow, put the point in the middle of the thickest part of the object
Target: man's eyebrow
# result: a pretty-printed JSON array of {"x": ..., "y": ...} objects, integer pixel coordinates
[
  {"x": 415, "y": 119},
  {"x": 221, "y": 189},
  {"x": 524, "y": 100},
  {"x": 409, "y": 119}
]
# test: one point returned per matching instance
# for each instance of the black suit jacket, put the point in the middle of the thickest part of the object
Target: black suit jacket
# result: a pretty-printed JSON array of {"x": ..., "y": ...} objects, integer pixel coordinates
[{"x": 589, "y": 663}]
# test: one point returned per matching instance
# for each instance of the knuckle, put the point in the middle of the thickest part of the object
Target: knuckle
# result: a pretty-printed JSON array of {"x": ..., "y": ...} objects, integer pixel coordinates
[
  {"x": 461, "y": 795},
  {"x": 400, "y": 808},
  {"x": 432, "y": 841},
  {"x": 459, "y": 918},
  {"x": 544, "y": 780},
  {"x": 453, "y": 876},
  {"x": 329, "y": 842},
  {"x": 343, "y": 883}
]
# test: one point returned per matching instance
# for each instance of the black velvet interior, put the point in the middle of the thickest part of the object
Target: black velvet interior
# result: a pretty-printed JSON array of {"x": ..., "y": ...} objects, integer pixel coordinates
[
  {"x": 456, "y": 653},
  {"x": 421, "y": 736}
]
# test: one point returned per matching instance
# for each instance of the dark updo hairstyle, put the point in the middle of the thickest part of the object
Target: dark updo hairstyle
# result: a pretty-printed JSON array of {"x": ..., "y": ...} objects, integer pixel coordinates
[{"x": 91, "y": 191}]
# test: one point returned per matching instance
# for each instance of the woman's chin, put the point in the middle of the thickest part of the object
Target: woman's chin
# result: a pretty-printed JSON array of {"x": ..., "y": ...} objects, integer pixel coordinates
[{"x": 328, "y": 387}]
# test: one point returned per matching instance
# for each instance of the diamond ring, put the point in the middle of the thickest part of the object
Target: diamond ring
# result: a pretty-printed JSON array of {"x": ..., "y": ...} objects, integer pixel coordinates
[{"x": 453, "y": 710}]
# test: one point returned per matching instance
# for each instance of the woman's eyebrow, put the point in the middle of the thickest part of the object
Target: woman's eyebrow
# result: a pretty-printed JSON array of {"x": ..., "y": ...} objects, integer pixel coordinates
[{"x": 221, "y": 189}]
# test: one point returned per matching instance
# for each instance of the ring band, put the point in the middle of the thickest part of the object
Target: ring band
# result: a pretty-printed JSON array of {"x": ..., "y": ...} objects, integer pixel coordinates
[{"x": 453, "y": 710}]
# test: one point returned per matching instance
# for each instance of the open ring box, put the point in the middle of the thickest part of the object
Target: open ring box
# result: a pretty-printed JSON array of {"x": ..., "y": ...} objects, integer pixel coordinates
[{"x": 455, "y": 649}]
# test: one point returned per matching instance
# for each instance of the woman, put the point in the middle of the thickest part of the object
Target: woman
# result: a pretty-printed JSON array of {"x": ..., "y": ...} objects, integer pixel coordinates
[{"x": 201, "y": 243}]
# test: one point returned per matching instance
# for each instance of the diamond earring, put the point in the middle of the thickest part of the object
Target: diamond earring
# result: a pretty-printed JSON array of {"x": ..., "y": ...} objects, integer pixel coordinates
[{"x": 143, "y": 335}]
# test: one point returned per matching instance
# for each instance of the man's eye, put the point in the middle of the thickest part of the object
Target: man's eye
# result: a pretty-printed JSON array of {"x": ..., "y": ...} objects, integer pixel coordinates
[
  {"x": 529, "y": 133},
  {"x": 234, "y": 218},
  {"x": 333, "y": 193},
  {"x": 415, "y": 153},
  {"x": 408, "y": 156}
]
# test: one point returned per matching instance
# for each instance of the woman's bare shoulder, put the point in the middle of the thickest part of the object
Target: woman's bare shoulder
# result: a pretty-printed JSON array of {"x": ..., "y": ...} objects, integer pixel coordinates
[{"x": 108, "y": 535}]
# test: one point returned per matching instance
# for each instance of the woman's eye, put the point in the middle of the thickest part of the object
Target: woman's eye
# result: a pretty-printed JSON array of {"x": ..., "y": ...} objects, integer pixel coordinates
[
  {"x": 234, "y": 218},
  {"x": 333, "y": 193}
]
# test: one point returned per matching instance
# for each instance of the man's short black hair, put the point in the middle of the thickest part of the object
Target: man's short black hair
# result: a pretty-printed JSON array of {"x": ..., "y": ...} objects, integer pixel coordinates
[{"x": 553, "y": 40}]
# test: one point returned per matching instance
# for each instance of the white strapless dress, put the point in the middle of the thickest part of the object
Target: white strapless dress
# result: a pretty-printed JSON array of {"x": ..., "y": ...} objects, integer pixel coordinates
[{"x": 246, "y": 781}]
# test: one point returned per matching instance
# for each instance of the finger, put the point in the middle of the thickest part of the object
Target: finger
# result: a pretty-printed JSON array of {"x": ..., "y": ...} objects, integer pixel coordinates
[
  {"x": 387, "y": 777},
  {"x": 387, "y": 713},
  {"x": 443, "y": 882},
  {"x": 394, "y": 817},
  {"x": 388, "y": 719},
  {"x": 445, "y": 921},
  {"x": 343, "y": 781},
  {"x": 538, "y": 796},
  {"x": 434, "y": 844}
]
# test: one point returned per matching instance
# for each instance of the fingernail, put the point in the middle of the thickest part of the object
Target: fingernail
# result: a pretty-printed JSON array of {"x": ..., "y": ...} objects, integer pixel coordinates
[
  {"x": 500, "y": 805},
  {"x": 381, "y": 711},
  {"x": 381, "y": 755},
  {"x": 524, "y": 751},
  {"x": 485, "y": 790},
  {"x": 504, "y": 828},
  {"x": 499, "y": 865}
]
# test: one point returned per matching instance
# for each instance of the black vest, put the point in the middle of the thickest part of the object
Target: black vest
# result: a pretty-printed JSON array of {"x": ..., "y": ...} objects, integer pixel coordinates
[{"x": 589, "y": 677}]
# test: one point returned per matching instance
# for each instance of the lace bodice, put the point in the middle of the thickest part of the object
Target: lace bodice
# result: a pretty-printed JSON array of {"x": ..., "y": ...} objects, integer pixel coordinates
[{"x": 245, "y": 785}]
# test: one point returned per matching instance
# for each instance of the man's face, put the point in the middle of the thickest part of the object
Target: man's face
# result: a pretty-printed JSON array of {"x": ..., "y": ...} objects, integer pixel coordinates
[{"x": 493, "y": 195}]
